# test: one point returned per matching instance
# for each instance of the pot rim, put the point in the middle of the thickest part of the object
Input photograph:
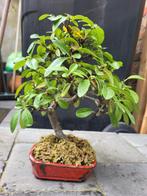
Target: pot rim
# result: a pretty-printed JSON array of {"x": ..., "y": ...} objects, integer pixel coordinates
[{"x": 32, "y": 159}]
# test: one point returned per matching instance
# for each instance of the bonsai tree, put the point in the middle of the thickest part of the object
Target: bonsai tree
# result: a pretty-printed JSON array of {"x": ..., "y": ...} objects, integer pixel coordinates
[{"x": 69, "y": 64}]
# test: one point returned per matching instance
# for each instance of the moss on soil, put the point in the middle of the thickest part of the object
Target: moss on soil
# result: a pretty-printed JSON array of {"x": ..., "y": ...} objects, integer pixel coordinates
[{"x": 71, "y": 150}]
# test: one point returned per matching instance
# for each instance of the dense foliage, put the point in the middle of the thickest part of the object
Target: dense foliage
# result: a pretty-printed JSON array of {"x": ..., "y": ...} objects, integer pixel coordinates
[{"x": 69, "y": 64}]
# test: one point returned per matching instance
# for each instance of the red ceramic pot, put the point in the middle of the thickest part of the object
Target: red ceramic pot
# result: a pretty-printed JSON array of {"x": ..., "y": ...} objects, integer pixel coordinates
[{"x": 57, "y": 171}]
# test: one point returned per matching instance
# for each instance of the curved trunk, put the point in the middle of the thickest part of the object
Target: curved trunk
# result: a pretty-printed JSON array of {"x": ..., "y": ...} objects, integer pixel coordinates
[{"x": 52, "y": 115}]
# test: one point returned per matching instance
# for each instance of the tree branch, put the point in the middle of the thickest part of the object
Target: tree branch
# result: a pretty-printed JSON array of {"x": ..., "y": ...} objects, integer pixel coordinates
[
  {"x": 52, "y": 107},
  {"x": 96, "y": 100},
  {"x": 71, "y": 99},
  {"x": 52, "y": 115}
]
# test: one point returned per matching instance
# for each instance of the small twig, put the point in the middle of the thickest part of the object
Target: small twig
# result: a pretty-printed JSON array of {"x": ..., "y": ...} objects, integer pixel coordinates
[
  {"x": 96, "y": 100},
  {"x": 43, "y": 110},
  {"x": 70, "y": 100},
  {"x": 91, "y": 98}
]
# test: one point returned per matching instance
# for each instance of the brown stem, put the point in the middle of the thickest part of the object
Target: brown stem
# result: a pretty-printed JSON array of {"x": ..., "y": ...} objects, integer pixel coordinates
[
  {"x": 70, "y": 99},
  {"x": 52, "y": 115},
  {"x": 96, "y": 100}
]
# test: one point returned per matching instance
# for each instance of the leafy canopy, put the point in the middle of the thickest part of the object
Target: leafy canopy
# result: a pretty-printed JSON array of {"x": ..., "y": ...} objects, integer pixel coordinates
[{"x": 69, "y": 61}]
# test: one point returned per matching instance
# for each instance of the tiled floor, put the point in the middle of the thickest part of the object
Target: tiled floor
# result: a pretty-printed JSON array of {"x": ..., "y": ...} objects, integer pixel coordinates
[
  {"x": 121, "y": 168},
  {"x": 7, "y": 104}
]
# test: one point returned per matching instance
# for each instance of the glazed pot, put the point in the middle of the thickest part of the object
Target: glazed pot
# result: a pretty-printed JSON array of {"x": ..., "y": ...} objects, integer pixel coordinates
[{"x": 58, "y": 171}]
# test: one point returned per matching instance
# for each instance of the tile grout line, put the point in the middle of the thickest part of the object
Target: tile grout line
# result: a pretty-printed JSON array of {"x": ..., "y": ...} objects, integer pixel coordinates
[
  {"x": 135, "y": 147},
  {"x": 9, "y": 154}
]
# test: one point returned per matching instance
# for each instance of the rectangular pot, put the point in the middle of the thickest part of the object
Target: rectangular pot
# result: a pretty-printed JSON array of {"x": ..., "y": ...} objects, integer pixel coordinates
[{"x": 57, "y": 171}]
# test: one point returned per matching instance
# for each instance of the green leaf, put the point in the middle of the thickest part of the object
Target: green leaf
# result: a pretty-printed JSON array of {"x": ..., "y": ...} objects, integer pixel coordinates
[
  {"x": 118, "y": 113},
  {"x": 76, "y": 55},
  {"x": 54, "y": 18},
  {"x": 86, "y": 70},
  {"x": 51, "y": 83},
  {"x": 43, "y": 39},
  {"x": 44, "y": 16},
  {"x": 19, "y": 64},
  {"x": 129, "y": 104},
  {"x": 14, "y": 121},
  {"x": 116, "y": 65},
  {"x": 113, "y": 119},
  {"x": 29, "y": 74},
  {"x": 33, "y": 64},
  {"x": 72, "y": 68},
  {"x": 84, "y": 112},
  {"x": 137, "y": 77},
  {"x": 41, "y": 50},
  {"x": 57, "y": 23},
  {"x": 83, "y": 87},
  {"x": 76, "y": 103},
  {"x": 72, "y": 41},
  {"x": 97, "y": 34},
  {"x": 79, "y": 73},
  {"x": 120, "y": 105},
  {"x": 60, "y": 44},
  {"x": 126, "y": 119},
  {"x": 131, "y": 117},
  {"x": 55, "y": 65},
  {"x": 34, "y": 36},
  {"x": 107, "y": 92},
  {"x": 28, "y": 88},
  {"x": 108, "y": 56},
  {"x": 98, "y": 72},
  {"x": 41, "y": 85},
  {"x": 84, "y": 19},
  {"x": 63, "y": 104},
  {"x": 20, "y": 88},
  {"x": 25, "y": 72},
  {"x": 65, "y": 75},
  {"x": 109, "y": 75},
  {"x": 31, "y": 47},
  {"x": 26, "y": 119},
  {"x": 65, "y": 90},
  {"x": 37, "y": 101},
  {"x": 126, "y": 111},
  {"x": 45, "y": 101},
  {"x": 58, "y": 52},
  {"x": 32, "y": 95},
  {"x": 43, "y": 113},
  {"x": 112, "y": 114},
  {"x": 87, "y": 65},
  {"x": 87, "y": 51},
  {"x": 134, "y": 96}
]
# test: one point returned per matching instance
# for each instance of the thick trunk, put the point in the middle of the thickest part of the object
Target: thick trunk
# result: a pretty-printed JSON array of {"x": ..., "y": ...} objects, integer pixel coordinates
[{"x": 52, "y": 115}]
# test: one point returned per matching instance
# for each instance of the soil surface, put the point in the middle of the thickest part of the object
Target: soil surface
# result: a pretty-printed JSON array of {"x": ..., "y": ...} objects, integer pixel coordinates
[{"x": 71, "y": 150}]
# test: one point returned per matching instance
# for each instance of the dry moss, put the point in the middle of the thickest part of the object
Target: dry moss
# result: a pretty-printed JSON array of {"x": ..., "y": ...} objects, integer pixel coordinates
[{"x": 72, "y": 150}]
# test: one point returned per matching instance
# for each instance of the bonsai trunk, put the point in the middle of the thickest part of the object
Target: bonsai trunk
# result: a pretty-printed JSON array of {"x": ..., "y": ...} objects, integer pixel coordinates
[{"x": 52, "y": 115}]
